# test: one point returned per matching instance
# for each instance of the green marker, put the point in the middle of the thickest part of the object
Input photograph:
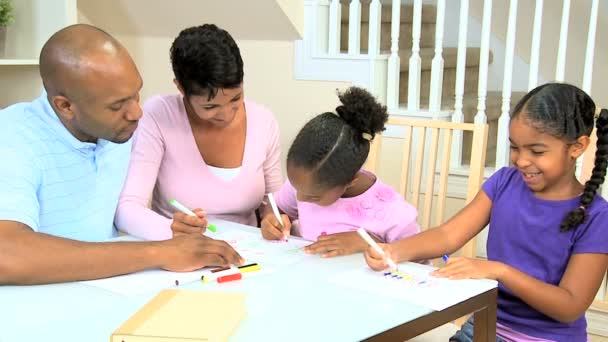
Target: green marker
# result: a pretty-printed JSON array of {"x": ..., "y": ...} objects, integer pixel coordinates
[{"x": 187, "y": 211}]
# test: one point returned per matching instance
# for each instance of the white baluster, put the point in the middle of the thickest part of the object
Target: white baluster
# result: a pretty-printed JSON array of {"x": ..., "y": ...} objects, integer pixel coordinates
[
  {"x": 392, "y": 89},
  {"x": 535, "y": 49},
  {"x": 458, "y": 116},
  {"x": 502, "y": 149},
  {"x": 335, "y": 24},
  {"x": 587, "y": 73},
  {"x": 354, "y": 28},
  {"x": 415, "y": 69},
  {"x": 588, "y": 70},
  {"x": 375, "y": 12},
  {"x": 484, "y": 57},
  {"x": 437, "y": 64},
  {"x": 560, "y": 68},
  {"x": 318, "y": 30}
]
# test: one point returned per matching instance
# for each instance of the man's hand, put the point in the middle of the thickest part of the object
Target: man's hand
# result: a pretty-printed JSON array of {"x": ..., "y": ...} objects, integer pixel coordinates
[{"x": 194, "y": 251}]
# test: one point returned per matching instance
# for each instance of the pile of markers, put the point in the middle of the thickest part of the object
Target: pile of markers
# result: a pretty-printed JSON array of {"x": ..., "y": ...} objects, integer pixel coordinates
[{"x": 225, "y": 274}]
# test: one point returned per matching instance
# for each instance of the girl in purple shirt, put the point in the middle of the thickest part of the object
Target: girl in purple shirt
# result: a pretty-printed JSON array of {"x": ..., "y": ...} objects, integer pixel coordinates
[
  {"x": 329, "y": 194},
  {"x": 547, "y": 242}
]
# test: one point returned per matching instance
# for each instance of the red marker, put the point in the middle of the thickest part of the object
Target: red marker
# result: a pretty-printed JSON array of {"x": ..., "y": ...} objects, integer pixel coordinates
[{"x": 230, "y": 277}]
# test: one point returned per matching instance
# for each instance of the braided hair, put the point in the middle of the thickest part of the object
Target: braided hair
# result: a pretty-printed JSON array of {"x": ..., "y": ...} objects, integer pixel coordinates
[
  {"x": 334, "y": 147},
  {"x": 567, "y": 112}
]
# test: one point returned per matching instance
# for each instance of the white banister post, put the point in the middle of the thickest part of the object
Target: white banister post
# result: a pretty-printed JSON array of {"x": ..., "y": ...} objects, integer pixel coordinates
[
  {"x": 437, "y": 64},
  {"x": 318, "y": 12},
  {"x": 535, "y": 49},
  {"x": 502, "y": 139},
  {"x": 375, "y": 26},
  {"x": 335, "y": 23},
  {"x": 415, "y": 68},
  {"x": 560, "y": 68},
  {"x": 484, "y": 57},
  {"x": 354, "y": 28},
  {"x": 458, "y": 116},
  {"x": 392, "y": 88},
  {"x": 588, "y": 69}
]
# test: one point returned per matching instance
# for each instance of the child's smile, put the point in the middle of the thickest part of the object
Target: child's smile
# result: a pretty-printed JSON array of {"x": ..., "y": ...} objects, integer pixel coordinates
[
  {"x": 531, "y": 178},
  {"x": 546, "y": 163}
]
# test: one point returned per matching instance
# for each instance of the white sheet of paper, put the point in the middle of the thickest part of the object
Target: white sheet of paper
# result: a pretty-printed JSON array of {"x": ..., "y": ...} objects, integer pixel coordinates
[
  {"x": 254, "y": 248},
  {"x": 251, "y": 246},
  {"x": 151, "y": 281},
  {"x": 145, "y": 281},
  {"x": 416, "y": 285}
]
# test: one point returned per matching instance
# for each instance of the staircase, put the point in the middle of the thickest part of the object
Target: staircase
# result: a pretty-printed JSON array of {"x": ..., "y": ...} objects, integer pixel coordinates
[{"x": 427, "y": 51}]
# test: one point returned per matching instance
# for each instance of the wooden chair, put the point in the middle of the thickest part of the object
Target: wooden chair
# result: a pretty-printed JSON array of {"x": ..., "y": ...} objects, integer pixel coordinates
[{"x": 424, "y": 141}]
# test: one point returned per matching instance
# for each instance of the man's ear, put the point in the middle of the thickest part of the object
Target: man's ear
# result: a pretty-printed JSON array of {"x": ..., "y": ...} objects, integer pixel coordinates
[
  {"x": 63, "y": 106},
  {"x": 580, "y": 145}
]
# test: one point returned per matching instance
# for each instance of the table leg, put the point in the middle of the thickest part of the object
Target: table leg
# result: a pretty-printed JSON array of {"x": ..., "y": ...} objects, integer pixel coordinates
[{"x": 485, "y": 323}]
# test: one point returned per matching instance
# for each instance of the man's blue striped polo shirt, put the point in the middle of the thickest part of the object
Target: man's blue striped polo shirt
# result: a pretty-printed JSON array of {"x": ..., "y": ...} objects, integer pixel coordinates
[{"x": 51, "y": 181}]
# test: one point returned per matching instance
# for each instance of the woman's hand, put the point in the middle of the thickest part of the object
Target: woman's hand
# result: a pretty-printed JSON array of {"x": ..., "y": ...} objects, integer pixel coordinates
[{"x": 186, "y": 224}]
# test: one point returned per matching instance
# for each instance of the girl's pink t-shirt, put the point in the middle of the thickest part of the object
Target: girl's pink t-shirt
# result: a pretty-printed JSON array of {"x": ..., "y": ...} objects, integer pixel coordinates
[{"x": 380, "y": 210}]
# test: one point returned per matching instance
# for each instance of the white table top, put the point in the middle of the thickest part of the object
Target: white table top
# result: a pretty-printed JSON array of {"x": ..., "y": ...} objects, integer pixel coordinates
[{"x": 292, "y": 303}]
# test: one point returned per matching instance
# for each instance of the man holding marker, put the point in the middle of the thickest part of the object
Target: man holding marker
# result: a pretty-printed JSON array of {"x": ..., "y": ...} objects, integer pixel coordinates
[{"x": 64, "y": 159}]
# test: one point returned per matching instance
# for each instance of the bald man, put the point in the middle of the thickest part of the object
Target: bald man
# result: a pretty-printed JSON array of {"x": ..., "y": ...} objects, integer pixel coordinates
[{"x": 64, "y": 158}]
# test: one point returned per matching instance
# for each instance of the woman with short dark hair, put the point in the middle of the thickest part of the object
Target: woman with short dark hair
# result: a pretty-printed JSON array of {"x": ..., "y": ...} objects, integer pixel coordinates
[{"x": 207, "y": 147}]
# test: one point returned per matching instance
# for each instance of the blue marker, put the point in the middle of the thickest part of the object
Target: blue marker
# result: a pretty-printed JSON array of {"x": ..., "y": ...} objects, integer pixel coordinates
[{"x": 445, "y": 258}]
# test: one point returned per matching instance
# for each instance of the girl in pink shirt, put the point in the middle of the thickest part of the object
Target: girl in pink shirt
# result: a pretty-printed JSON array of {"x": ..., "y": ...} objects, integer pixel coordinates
[
  {"x": 207, "y": 147},
  {"x": 329, "y": 194}
]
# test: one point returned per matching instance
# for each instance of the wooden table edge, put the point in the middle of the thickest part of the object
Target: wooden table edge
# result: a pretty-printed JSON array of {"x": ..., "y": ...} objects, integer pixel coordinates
[{"x": 482, "y": 305}]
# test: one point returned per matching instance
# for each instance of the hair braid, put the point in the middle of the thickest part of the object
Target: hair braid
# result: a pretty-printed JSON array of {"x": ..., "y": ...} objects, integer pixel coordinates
[{"x": 578, "y": 216}]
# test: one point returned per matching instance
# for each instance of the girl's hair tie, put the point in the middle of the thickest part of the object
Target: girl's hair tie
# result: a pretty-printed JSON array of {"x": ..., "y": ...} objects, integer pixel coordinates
[{"x": 366, "y": 136}]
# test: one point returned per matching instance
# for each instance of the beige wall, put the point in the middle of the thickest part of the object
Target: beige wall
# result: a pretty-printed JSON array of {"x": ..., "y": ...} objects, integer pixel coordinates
[
  {"x": 294, "y": 10},
  {"x": 244, "y": 19},
  {"x": 18, "y": 84}
]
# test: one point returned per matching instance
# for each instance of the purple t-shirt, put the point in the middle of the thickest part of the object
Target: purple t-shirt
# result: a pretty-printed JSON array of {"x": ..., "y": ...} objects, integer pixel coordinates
[{"x": 524, "y": 233}]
